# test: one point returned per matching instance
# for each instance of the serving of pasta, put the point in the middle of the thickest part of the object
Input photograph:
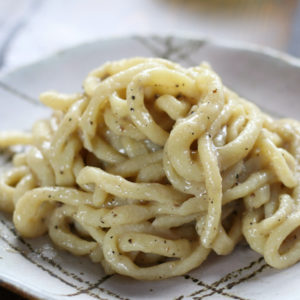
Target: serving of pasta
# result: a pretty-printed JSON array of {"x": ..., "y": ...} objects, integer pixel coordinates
[{"x": 152, "y": 167}]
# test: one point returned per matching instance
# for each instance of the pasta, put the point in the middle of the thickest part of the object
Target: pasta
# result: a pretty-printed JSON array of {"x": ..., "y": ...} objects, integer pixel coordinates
[{"x": 152, "y": 167}]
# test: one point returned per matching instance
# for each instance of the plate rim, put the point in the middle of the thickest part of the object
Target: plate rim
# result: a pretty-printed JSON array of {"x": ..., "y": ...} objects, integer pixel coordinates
[
  {"x": 20, "y": 290},
  {"x": 263, "y": 50}
]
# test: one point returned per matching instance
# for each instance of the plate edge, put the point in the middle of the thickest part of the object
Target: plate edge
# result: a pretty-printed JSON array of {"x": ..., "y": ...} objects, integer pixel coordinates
[{"x": 230, "y": 44}]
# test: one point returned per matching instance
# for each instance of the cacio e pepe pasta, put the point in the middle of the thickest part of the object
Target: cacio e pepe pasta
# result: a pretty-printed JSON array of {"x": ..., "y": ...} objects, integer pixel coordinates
[{"x": 152, "y": 167}]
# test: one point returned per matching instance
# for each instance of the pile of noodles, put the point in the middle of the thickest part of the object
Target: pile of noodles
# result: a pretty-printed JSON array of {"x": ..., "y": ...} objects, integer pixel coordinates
[{"x": 154, "y": 166}]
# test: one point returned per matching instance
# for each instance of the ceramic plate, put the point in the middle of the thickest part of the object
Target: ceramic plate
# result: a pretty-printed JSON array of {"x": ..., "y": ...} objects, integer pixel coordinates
[{"x": 36, "y": 268}]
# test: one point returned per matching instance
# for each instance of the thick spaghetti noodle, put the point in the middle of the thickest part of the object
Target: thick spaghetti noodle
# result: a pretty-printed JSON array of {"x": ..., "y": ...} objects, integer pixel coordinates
[{"x": 152, "y": 167}]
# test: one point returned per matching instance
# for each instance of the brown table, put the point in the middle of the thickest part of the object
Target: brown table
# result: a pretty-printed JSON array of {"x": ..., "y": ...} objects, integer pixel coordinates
[{"x": 6, "y": 294}]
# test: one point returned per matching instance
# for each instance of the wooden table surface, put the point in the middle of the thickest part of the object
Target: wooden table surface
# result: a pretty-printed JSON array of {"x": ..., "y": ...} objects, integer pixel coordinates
[{"x": 6, "y": 294}]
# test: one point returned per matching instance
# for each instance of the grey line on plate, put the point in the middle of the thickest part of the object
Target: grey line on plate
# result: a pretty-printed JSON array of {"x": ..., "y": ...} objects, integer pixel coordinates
[
  {"x": 233, "y": 274},
  {"x": 101, "y": 280},
  {"x": 179, "y": 52},
  {"x": 35, "y": 263},
  {"x": 19, "y": 94},
  {"x": 6, "y": 155},
  {"x": 55, "y": 265},
  {"x": 213, "y": 289},
  {"x": 96, "y": 286},
  {"x": 231, "y": 285},
  {"x": 179, "y": 298},
  {"x": 46, "y": 259}
]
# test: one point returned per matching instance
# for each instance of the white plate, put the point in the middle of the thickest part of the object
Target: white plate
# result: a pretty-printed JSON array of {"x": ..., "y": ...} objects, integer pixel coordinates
[{"x": 270, "y": 79}]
